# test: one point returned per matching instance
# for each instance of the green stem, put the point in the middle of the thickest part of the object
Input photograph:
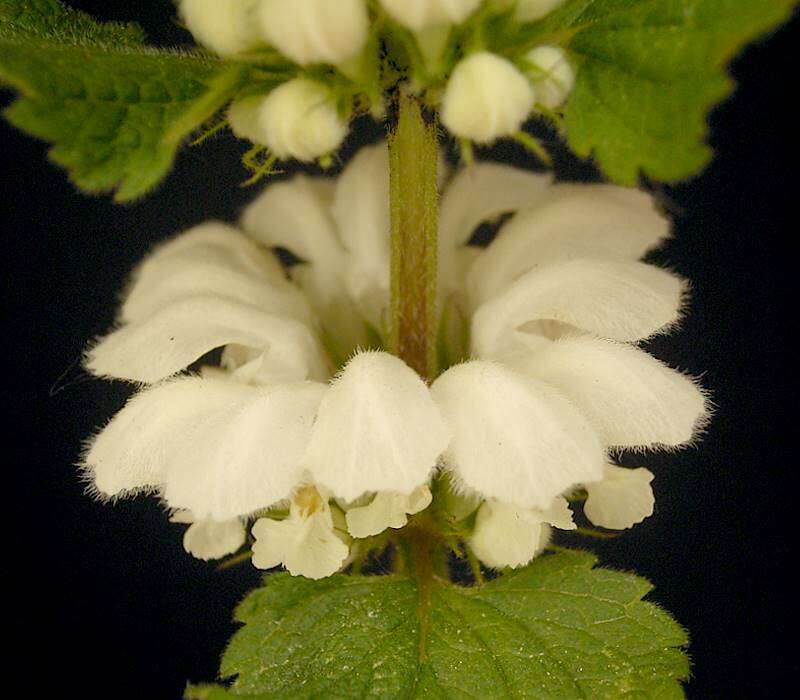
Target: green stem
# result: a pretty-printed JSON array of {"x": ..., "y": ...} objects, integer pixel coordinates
[{"x": 414, "y": 215}]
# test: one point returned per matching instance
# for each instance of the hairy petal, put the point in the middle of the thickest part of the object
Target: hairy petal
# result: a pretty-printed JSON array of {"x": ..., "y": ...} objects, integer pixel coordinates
[
  {"x": 377, "y": 430},
  {"x": 621, "y": 300},
  {"x": 514, "y": 439},
  {"x": 631, "y": 399}
]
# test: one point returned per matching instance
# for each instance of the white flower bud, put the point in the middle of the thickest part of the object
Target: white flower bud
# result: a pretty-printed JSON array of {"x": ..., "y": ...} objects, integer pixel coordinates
[
  {"x": 486, "y": 98},
  {"x": 419, "y": 14},
  {"x": 315, "y": 31},
  {"x": 529, "y": 10},
  {"x": 224, "y": 26},
  {"x": 296, "y": 120},
  {"x": 551, "y": 75}
]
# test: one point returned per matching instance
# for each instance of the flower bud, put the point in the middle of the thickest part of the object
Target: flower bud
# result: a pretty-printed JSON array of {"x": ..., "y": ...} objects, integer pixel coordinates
[
  {"x": 530, "y": 10},
  {"x": 296, "y": 120},
  {"x": 419, "y": 14},
  {"x": 224, "y": 26},
  {"x": 551, "y": 75},
  {"x": 315, "y": 31},
  {"x": 486, "y": 98}
]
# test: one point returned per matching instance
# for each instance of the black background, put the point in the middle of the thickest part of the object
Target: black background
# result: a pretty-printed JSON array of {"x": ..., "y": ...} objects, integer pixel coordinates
[{"x": 106, "y": 603}]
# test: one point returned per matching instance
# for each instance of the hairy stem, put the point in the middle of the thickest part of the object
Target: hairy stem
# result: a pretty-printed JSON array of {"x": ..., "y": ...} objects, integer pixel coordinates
[{"x": 414, "y": 216}]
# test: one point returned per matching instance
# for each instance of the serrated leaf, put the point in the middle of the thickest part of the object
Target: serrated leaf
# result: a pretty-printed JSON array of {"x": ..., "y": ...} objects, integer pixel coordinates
[
  {"x": 649, "y": 71},
  {"x": 556, "y": 629},
  {"x": 115, "y": 110}
]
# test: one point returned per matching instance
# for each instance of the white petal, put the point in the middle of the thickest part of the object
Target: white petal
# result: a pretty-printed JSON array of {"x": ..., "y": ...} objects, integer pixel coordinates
[
  {"x": 315, "y": 31},
  {"x": 514, "y": 438},
  {"x": 212, "y": 539},
  {"x": 377, "y": 430},
  {"x": 361, "y": 212},
  {"x": 573, "y": 221},
  {"x": 224, "y": 26},
  {"x": 295, "y": 214},
  {"x": 486, "y": 98},
  {"x": 170, "y": 275},
  {"x": 558, "y": 514},
  {"x": 551, "y": 75},
  {"x": 419, "y": 14},
  {"x": 135, "y": 449},
  {"x": 171, "y": 339},
  {"x": 306, "y": 546},
  {"x": 626, "y": 301},
  {"x": 631, "y": 399},
  {"x": 387, "y": 510},
  {"x": 623, "y": 498},
  {"x": 507, "y": 536}
]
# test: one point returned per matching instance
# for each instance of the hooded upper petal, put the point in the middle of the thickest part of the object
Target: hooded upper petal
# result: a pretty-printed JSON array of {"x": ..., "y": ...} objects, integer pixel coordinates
[
  {"x": 174, "y": 337},
  {"x": 378, "y": 429},
  {"x": 514, "y": 438},
  {"x": 623, "y": 498},
  {"x": 621, "y": 300},
  {"x": 571, "y": 221},
  {"x": 630, "y": 398}
]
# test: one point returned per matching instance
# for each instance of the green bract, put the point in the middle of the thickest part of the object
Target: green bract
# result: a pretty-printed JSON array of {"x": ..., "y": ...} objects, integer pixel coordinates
[{"x": 557, "y": 629}]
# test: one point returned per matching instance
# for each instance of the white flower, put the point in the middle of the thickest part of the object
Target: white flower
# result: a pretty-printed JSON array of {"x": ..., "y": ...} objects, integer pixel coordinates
[
  {"x": 554, "y": 307},
  {"x": 386, "y": 510},
  {"x": 225, "y": 26},
  {"x": 298, "y": 119},
  {"x": 306, "y": 542},
  {"x": 507, "y": 536},
  {"x": 315, "y": 31},
  {"x": 210, "y": 539},
  {"x": 419, "y": 14},
  {"x": 529, "y": 10},
  {"x": 551, "y": 75},
  {"x": 486, "y": 98},
  {"x": 622, "y": 499}
]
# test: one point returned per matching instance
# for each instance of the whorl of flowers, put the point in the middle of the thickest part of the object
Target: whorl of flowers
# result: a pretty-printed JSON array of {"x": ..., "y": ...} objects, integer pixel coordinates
[
  {"x": 306, "y": 430},
  {"x": 325, "y": 63}
]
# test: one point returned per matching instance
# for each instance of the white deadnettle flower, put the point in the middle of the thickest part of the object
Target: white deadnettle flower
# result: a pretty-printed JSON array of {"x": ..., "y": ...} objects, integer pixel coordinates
[
  {"x": 622, "y": 499},
  {"x": 315, "y": 31},
  {"x": 507, "y": 536},
  {"x": 486, "y": 98},
  {"x": 387, "y": 509},
  {"x": 306, "y": 542},
  {"x": 298, "y": 119},
  {"x": 210, "y": 539},
  {"x": 551, "y": 75},
  {"x": 420, "y": 14},
  {"x": 224, "y": 26},
  {"x": 554, "y": 304}
]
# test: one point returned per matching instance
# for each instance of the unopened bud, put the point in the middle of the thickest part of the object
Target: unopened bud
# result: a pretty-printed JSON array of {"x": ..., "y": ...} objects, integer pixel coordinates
[
  {"x": 315, "y": 31},
  {"x": 551, "y": 75},
  {"x": 486, "y": 98},
  {"x": 224, "y": 26},
  {"x": 419, "y": 14}
]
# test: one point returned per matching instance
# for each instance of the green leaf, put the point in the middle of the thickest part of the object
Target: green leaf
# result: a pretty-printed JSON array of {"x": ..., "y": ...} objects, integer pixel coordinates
[
  {"x": 115, "y": 110},
  {"x": 649, "y": 71},
  {"x": 556, "y": 629}
]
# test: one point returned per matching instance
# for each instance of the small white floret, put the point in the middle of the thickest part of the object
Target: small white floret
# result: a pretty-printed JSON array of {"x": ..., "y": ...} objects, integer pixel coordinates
[
  {"x": 378, "y": 429},
  {"x": 210, "y": 539},
  {"x": 315, "y": 31},
  {"x": 486, "y": 98},
  {"x": 508, "y": 536},
  {"x": 306, "y": 543},
  {"x": 622, "y": 499},
  {"x": 419, "y": 14},
  {"x": 299, "y": 119},
  {"x": 551, "y": 74},
  {"x": 386, "y": 510},
  {"x": 224, "y": 26},
  {"x": 514, "y": 438}
]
